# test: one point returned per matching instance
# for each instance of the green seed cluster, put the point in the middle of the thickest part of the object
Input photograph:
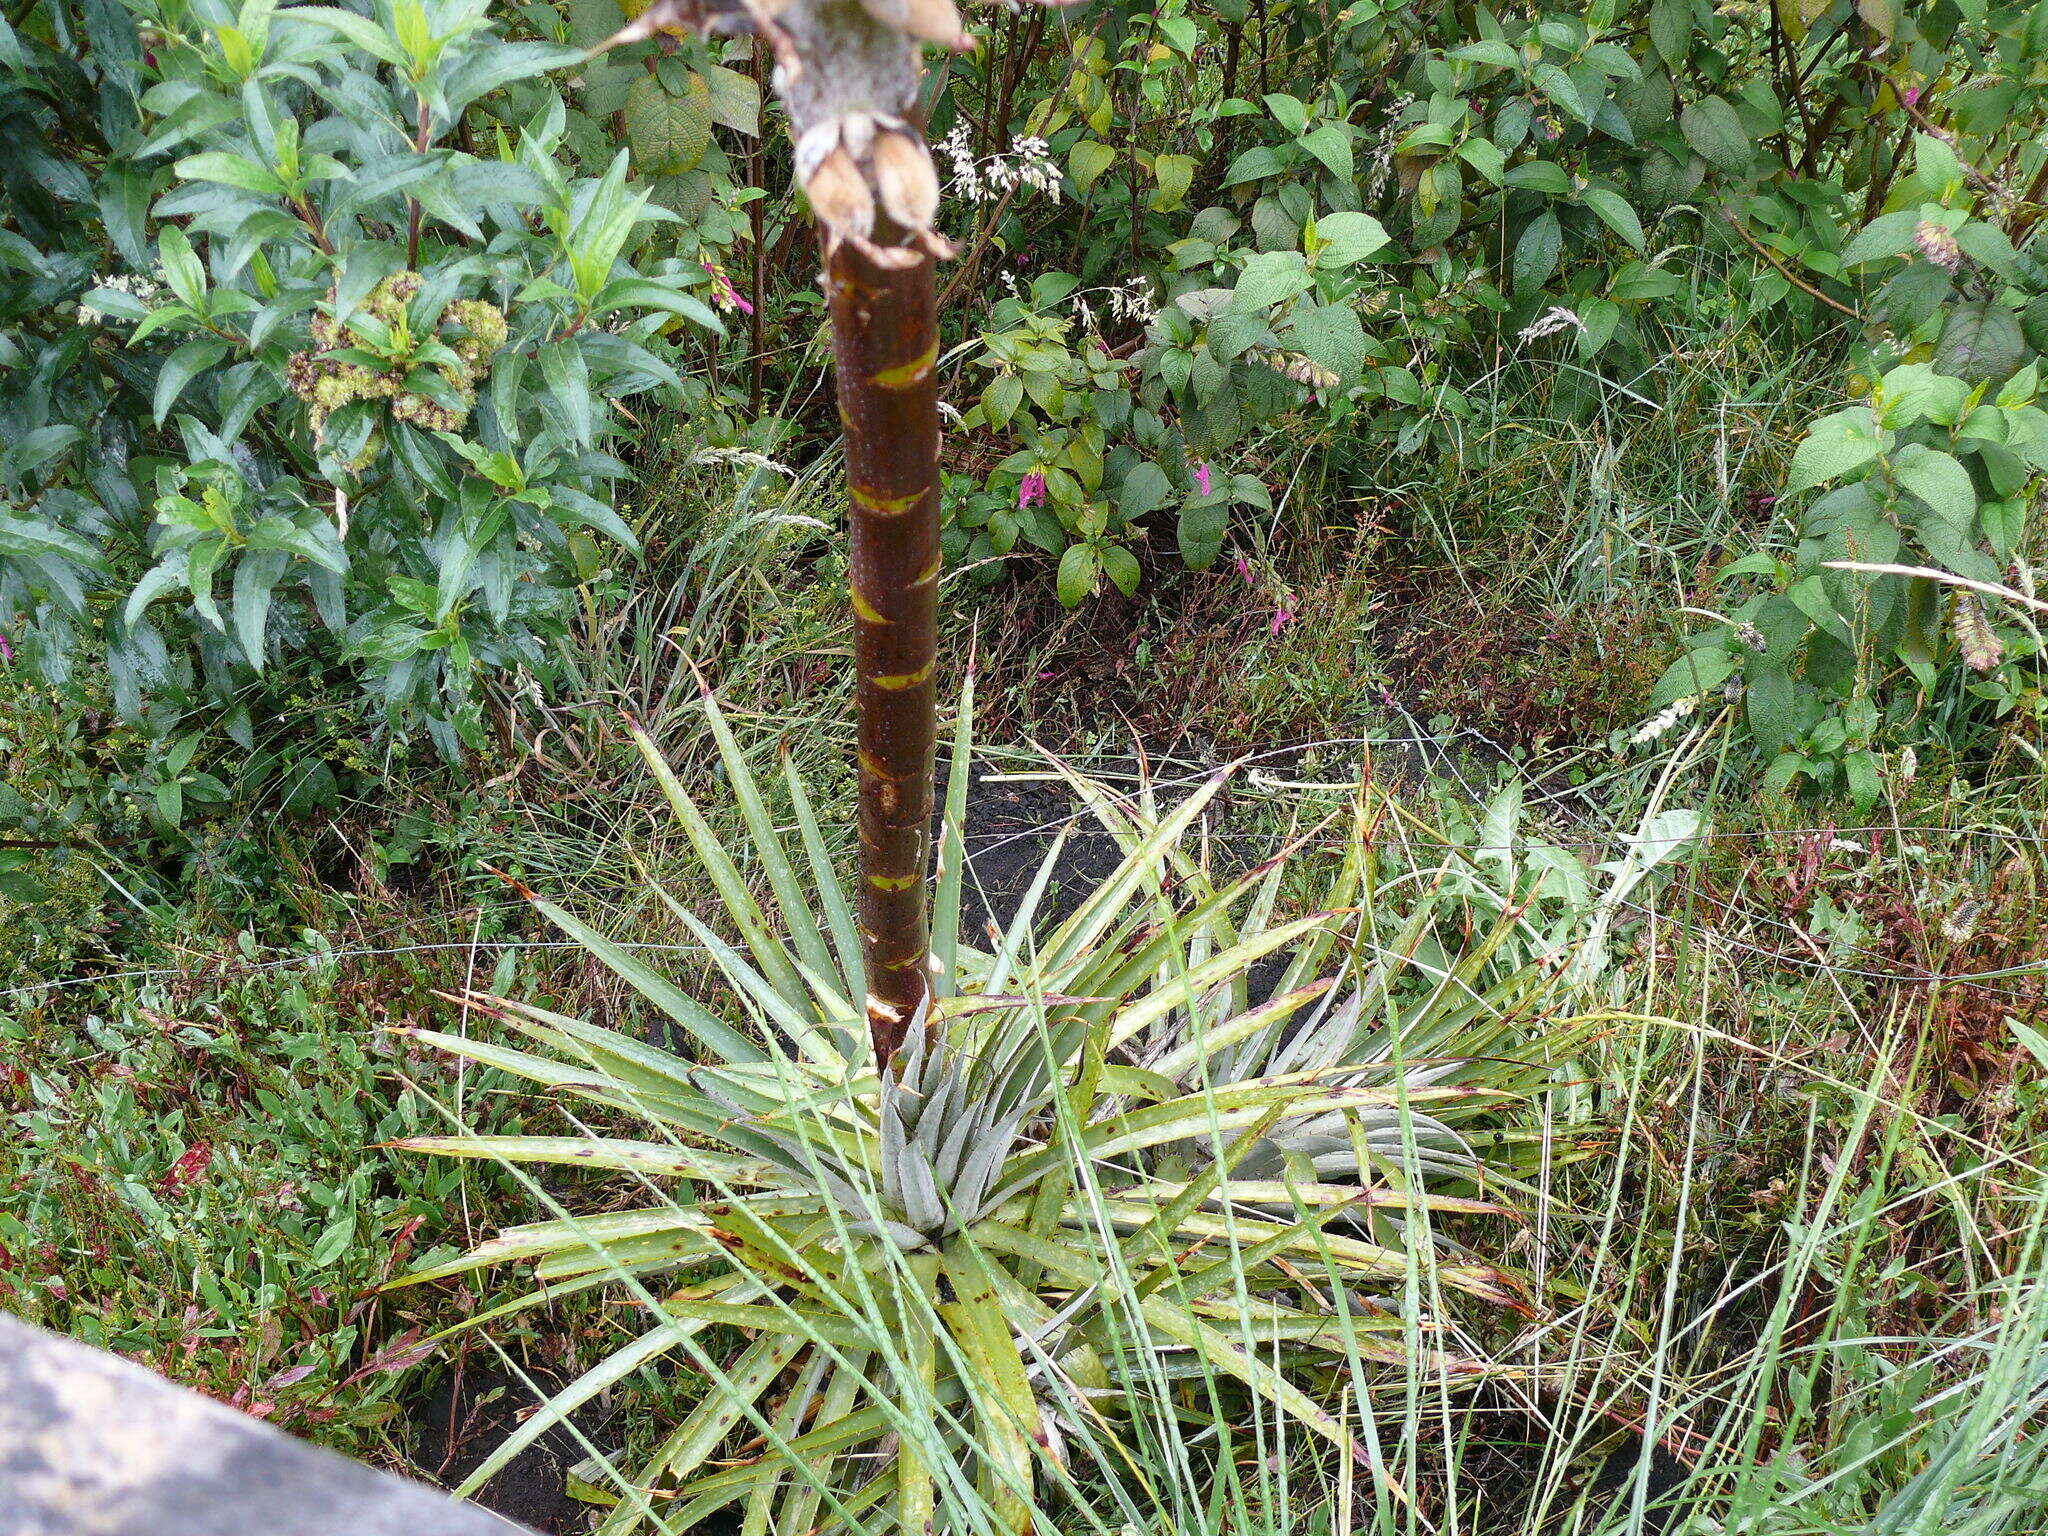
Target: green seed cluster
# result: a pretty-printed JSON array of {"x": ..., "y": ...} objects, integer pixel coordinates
[{"x": 472, "y": 329}]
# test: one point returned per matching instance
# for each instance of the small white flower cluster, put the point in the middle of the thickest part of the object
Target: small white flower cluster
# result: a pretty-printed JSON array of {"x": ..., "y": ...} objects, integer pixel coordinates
[
  {"x": 1959, "y": 924},
  {"x": 966, "y": 177},
  {"x": 1134, "y": 301},
  {"x": 1379, "y": 160},
  {"x": 1029, "y": 164},
  {"x": 1550, "y": 322},
  {"x": 743, "y": 456},
  {"x": 1661, "y": 723},
  {"x": 146, "y": 291}
]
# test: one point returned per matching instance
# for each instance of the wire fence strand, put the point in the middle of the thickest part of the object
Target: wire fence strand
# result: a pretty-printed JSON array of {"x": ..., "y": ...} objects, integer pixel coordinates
[{"x": 1591, "y": 840}]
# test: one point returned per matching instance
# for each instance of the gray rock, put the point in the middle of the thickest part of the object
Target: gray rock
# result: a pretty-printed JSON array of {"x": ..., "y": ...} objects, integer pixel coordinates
[{"x": 94, "y": 1445}]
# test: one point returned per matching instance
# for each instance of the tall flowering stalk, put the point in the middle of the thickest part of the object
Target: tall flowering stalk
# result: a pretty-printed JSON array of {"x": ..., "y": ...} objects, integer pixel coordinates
[
  {"x": 885, "y": 342},
  {"x": 847, "y": 73}
]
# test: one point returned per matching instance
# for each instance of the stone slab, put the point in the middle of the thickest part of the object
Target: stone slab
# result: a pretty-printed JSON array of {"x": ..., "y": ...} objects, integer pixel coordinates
[{"x": 95, "y": 1445}]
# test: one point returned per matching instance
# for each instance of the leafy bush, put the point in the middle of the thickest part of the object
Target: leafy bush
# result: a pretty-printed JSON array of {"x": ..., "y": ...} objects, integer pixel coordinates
[
  {"x": 341, "y": 392},
  {"x": 1907, "y": 470},
  {"x": 1534, "y": 194},
  {"x": 1939, "y": 466},
  {"x": 1500, "y": 173},
  {"x": 1305, "y": 234}
]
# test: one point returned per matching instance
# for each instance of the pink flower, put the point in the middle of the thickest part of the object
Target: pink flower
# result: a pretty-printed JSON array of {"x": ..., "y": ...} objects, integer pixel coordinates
[
  {"x": 1202, "y": 478},
  {"x": 1244, "y": 569},
  {"x": 6, "y": 651},
  {"x": 723, "y": 294},
  {"x": 1282, "y": 617},
  {"x": 1910, "y": 95},
  {"x": 1938, "y": 246},
  {"x": 1031, "y": 490}
]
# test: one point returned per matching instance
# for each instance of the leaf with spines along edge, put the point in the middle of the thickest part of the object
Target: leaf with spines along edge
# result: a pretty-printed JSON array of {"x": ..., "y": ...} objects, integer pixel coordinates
[{"x": 795, "y": 1239}]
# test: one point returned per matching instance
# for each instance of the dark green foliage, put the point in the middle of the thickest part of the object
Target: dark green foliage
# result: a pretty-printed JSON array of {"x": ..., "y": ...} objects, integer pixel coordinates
[
  {"x": 310, "y": 362},
  {"x": 1206, "y": 249}
]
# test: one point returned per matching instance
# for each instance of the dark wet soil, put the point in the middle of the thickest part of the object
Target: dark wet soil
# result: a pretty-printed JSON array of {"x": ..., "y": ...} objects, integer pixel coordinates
[
  {"x": 1662, "y": 1476},
  {"x": 1011, "y": 826},
  {"x": 1015, "y": 815},
  {"x": 471, "y": 1412}
]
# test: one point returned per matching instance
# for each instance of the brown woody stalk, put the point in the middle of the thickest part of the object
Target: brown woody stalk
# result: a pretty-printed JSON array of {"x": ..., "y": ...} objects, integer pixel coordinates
[
  {"x": 885, "y": 343},
  {"x": 847, "y": 72}
]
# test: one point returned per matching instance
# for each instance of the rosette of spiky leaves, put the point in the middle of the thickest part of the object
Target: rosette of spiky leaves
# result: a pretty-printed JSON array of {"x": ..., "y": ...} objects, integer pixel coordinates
[
  {"x": 943, "y": 1134},
  {"x": 1395, "y": 994},
  {"x": 1015, "y": 1241}
]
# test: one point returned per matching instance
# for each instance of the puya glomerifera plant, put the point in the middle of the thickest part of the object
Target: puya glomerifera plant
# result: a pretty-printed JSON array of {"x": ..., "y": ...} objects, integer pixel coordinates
[
  {"x": 1109, "y": 1167},
  {"x": 972, "y": 1264},
  {"x": 847, "y": 72}
]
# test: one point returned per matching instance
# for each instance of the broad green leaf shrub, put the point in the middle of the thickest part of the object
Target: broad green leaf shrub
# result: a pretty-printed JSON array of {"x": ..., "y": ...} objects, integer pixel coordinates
[
  {"x": 1937, "y": 464},
  {"x": 663, "y": 98},
  {"x": 1934, "y": 475},
  {"x": 1304, "y": 249},
  {"x": 312, "y": 355},
  {"x": 1250, "y": 238},
  {"x": 1201, "y": 244}
]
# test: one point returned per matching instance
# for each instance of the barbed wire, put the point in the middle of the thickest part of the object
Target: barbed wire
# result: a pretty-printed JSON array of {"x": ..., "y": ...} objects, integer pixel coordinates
[
  {"x": 1605, "y": 840},
  {"x": 1557, "y": 796},
  {"x": 217, "y": 970},
  {"x": 1610, "y": 838},
  {"x": 221, "y": 970},
  {"x": 1977, "y": 981},
  {"x": 981, "y": 845}
]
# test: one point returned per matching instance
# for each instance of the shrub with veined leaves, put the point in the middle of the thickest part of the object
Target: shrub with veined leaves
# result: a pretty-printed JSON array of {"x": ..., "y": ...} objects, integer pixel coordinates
[{"x": 322, "y": 376}]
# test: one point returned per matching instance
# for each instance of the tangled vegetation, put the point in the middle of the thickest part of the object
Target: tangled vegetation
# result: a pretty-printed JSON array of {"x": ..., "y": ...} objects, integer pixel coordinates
[{"x": 1483, "y": 964}]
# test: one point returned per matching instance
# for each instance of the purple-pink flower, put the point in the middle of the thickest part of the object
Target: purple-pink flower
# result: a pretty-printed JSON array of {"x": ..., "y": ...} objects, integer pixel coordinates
[
  {"x": 1031, "y": 490},
  {"x": 1282, "y": 617},
  {"x": 1910, "y": 95},
  {"x": 723, "y": 294},
  {"x": 1244, "y": 569},
  {"x": 1202, "y": 478},
  {"x": 6, "y": 651}
]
